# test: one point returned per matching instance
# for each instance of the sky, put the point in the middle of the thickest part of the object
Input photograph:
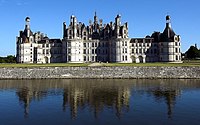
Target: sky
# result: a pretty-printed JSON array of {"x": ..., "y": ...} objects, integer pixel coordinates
[{"x": 143, "y": 17}]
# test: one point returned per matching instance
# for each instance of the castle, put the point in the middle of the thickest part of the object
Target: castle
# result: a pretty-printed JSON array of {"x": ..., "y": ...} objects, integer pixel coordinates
[{"x": 97, "y": 42}]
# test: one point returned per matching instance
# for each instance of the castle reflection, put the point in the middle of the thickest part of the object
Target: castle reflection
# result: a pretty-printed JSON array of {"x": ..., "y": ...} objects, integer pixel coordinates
[
  {"x": 97, "y": 95},
  {"x": 97, "y": 98}
]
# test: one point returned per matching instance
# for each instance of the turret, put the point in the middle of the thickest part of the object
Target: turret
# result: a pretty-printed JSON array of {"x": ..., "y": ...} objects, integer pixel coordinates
[
  {"x": 168, "y": 34},
  {"x": 95, "y": 22},
  {"x": 117, "y": 25},
  {"x": 73, "y": 23},
  {"x": 27, "y": 26},
  {"x": 95, "y": 18},
  {"x": 64, "y": 30},
  {"x": 168, "y": 21}
]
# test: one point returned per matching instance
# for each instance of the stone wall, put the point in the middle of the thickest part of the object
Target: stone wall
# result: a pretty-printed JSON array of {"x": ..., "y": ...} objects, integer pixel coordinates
[{"x": 100, "y": 72}]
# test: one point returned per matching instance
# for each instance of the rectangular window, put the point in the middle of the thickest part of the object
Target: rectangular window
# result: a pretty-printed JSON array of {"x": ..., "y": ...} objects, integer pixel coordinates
[
  {"x": 47, "y": 51},
  {"x": 93, "y": 58},
  {"x": 125, "y": 43},
  {"x": 132, "y": 50},
  {"x": 84, "y": 44},
  {"x": 140, "y": 50},
  {"x": 69, "y": 44},
  {"x": 84, "y": 58},
  {"x": 84, "y": 51},
  {"x": 92, "y": 51},
  {"x": 69, "y": 51},
  {"x": 43, "y": 51},
  {"x": 125, "y": 50}
]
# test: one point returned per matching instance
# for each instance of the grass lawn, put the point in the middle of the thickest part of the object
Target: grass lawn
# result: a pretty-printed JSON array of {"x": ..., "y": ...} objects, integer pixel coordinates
[{"x": 185, "y": 63}]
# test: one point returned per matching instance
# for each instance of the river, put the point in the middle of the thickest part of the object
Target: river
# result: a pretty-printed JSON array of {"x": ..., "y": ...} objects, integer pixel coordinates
[{"x": 100, "y": 102}]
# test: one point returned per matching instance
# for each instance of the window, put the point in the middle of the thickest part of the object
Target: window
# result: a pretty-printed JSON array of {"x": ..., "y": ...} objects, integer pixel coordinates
[
  {"x": 147, "y": 51},
  {"x": 140, "y": 50},
  {"x": 69, "y": 44},
  {"x": 176, "y": 57},
  {"x": 69, "y": 51},
  {"x": 47, "y": 45},
  {"x": 84, "y": 58},
  {"x": 93, "y": 51},
  {"x": 125, "y": 43},
  {"x": 125, "y": 50},
  {"x": 84, "y": 44},
  {"x": 69, "y": 58},
  {"x": 125, "y": 58},
  {"x": 84, "y": 51},
  {"x": 47, "y": 51},
  {"x": 43, "y": 51},
  {"x": 132, "y": 50},
  {"x": 176, "y": 50}
]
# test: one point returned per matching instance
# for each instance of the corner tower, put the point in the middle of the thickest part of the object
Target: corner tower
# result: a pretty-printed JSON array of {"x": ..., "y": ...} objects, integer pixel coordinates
[{"x": 169, "y": 44}]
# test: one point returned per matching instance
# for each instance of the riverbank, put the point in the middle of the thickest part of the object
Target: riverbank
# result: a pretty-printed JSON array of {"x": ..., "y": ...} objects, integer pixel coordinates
[{"x": 101, "y": 72}]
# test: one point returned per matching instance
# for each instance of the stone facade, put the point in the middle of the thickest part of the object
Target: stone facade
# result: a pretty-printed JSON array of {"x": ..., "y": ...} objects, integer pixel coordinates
[
  {"x": 98, "y": 42},
  {"x": 100, "y": 72},
  {"x": 37, "y": 48}
]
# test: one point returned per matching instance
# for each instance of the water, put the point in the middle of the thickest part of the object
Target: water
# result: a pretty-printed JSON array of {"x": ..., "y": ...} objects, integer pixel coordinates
[{"x": 99, "y": 102}]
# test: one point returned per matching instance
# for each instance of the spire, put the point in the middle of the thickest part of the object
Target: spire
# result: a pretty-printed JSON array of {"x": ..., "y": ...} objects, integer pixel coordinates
[
  {"x": 95, "y": 18},
  {"x": 27, "y": 27},
  {"x": 168, "y": 21},
  {"x": 27, "y": 22}
]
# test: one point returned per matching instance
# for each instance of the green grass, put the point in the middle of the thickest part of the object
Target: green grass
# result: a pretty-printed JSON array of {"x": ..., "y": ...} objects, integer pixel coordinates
[
  {"x": 195, "y": 63},
  {"x": 153, "y": 64},
  {"x": 44, "y": 65}
]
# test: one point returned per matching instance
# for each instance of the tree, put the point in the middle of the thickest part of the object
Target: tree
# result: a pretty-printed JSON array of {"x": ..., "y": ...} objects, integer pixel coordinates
[
  {"x": 192, "y": 53},
  {"x": 8, "y": 59}
]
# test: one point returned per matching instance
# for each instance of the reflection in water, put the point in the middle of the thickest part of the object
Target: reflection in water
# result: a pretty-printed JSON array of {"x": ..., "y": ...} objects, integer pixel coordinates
[
  {"x": 168, "y": 95},
  {"x": 97, "y": 95},
  {"x": 26, "y": 94},
  {"x": 97, "y": 98}
]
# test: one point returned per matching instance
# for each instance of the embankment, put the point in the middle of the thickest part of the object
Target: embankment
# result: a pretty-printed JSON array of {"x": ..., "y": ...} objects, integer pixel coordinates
[{"x": 100, "y": 72}]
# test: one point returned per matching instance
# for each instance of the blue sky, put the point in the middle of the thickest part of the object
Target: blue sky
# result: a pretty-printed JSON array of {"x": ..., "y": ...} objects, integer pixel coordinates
[{"x": 143, "y": 17}]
